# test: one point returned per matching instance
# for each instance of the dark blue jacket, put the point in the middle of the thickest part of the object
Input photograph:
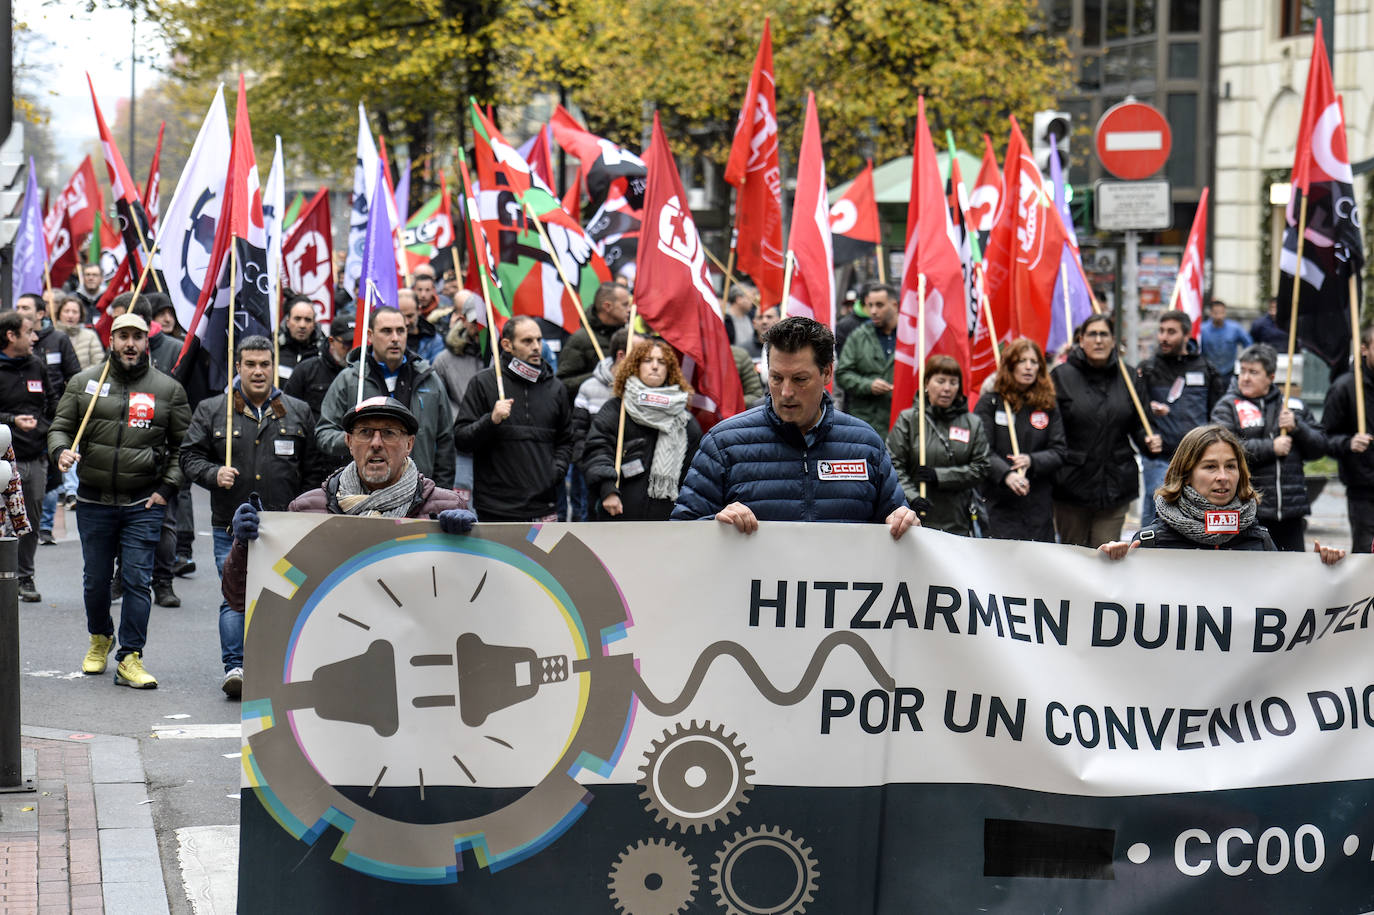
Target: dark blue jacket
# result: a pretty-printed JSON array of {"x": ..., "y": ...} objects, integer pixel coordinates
[
  {"x": 1199, "y": 387},
  {"x": 783, "y": 475}
]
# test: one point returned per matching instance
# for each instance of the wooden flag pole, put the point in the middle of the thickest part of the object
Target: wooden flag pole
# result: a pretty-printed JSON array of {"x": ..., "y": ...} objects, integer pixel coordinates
[
  {"x": 491, "y": 331},
  {"x": 142, "y": 280},
  {"x": 920, "y": 371},
  {"x": 789, "y": 267},
  {"x": 148, "y": 252},
  {"x": 992, "y": 331},
  {"x": 882, "y": 268},
  {"x": 1120, "y": 361},
  {"x": 729, "y": 274},
  {"x": 620, "y": 430},
  {"x": 567, "y": 284},
  {"x": 229, "y": 394},
  {"x": 1293, "y": 311},
  {"x": 1359, "y": 360}
]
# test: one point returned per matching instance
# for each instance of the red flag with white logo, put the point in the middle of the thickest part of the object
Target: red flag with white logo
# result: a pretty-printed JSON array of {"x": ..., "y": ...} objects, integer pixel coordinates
[
  {"x": 71, "y": 219},
  {"x": 133, "y": 219},
  {"x": 854, "y": 226},
  {"x": 982, "y": 202},
  {"x": 152, "y": 191},
  {"x": 307, "y": 253},
  {"x": 753, "y": 170},
  {"x": 812, "y": 294},
  {"x": 930, "y": 255},
  {"x": 1190, "y": 273},
  {"x": 674, "y": 291}
]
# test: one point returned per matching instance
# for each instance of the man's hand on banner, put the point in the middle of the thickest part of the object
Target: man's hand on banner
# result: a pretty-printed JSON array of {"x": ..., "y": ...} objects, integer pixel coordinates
[
  {"x": 740, "y": 515},
  {"x": 245, "y": 523},
  {"x": 456, "y": 520},
  {"x": 902, "y": 520},
  {"x": 1330, "y": 554}
]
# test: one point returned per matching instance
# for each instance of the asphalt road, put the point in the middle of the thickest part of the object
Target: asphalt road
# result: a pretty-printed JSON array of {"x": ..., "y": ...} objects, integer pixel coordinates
[{"x": 189, "y": 780}]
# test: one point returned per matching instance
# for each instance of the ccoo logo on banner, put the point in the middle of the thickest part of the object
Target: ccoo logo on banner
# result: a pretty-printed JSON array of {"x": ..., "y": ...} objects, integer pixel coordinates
[{"x": 669, "y": 717}]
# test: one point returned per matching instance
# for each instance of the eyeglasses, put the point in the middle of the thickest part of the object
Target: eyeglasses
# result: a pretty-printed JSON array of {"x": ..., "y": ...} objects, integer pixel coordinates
[
  {"x": 1098, "y": 335},
  {"x": 365, "y": 434}
]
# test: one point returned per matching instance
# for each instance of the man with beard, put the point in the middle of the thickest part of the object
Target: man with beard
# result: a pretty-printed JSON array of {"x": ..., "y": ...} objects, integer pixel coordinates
[
  {"x": 27, "y": 402},
  {"x": 54, "y": 351},
  {"x": 88, "y": 293},
  {"x": 128, "y": 468},
  {"x": 521, "y": 444}
]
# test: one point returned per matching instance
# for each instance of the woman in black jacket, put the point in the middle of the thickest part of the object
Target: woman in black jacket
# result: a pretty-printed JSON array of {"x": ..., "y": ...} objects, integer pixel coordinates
[
  {"x": 1099, "y": 478},
  {"x": 661, "y": 438},
  {"x": 1018, "y": 484},
  {"x": 1207, "y": 501}
]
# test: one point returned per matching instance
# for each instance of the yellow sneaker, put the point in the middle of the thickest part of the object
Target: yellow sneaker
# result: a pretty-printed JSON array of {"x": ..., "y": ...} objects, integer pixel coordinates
[
  {"x": 94, "y": 662},
  {"x": 131, "y": 673}
]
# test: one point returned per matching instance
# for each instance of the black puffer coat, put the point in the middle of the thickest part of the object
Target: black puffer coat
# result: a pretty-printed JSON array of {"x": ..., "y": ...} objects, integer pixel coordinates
[
  {"x": 1279, "y": 481},
  {"x": 598, "y": 464},
  {"x": 1040, "y": 435},
  {"x": 1100, "y": 421}
]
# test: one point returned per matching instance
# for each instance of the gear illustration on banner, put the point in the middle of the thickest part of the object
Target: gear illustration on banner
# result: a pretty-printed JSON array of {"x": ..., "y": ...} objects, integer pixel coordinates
[
  {"x": 695, "y": 777},
  {"x": 739, "y": 864},
  {"x": 653, "y": 877}
]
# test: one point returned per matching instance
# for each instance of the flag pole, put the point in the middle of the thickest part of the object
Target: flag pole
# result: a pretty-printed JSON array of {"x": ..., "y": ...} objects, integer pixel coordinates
[
  {"x": 229, "y": 395},
  {"x": 558, "y": 265},
  {"x": 728, "y": 267},
  {"x": 491, "y": 331},
  {"x": 882, "y": 270},
  {"x": 920, "y": 371},
  {"x": 276, "y": 333},
  {"x": 1355, "y": 348},
  {"x": 1120, "y": 361},
  {"x": 362, "y": 350},
  {"x": 620, "y": 429},
  {"x": 789, "y": 268},
  {"x": 1293, "y": 311},
  {"x": 143, "y": 243}
]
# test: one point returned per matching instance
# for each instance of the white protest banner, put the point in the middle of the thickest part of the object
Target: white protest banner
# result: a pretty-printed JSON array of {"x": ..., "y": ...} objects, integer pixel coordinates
[{"x": 675, "y": 717}]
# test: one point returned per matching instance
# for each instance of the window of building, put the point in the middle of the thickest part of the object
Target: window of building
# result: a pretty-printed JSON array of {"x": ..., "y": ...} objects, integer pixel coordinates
[
  {"x": 1181, "y": 113},
  {"x": 1118, "y": 19},
  {"x": 1143, "y": 18},
  {"x": 1061, "y": 16},
  {"x": 1185, "y": 16},
  {"x": 1090, "y": 73},
  {"x": 1297, "y": 17},
  {"x": 1183, "y": 60},
  {"x": 1092, "y": 23}
]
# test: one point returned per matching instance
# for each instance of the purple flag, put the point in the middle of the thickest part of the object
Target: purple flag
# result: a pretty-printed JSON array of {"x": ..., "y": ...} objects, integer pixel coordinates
[
  {"x": 1063, "y": 319},
  {"x": 379, "y": 256},
  {"x": 30, "y": 248},
  {"x": 403, "y": 197}
]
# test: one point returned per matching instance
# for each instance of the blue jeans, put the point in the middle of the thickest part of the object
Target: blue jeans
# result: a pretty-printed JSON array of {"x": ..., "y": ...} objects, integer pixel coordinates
[
  {"x": 462, "y": 471},
  {"x": 49, "y": 509},
  {"x": 230, "y": 622},
  {"x": 130, "y": 532},
  {"x": 1152, "y": 470}
]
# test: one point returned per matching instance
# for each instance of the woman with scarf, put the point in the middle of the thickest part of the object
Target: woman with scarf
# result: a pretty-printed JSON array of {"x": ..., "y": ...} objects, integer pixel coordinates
[
  {"x": 1020, "y": 479},
  {"x": 1207, "y": 502},
  {"x": 661, "y": 437},
  {"x": 956, "y": 454}
]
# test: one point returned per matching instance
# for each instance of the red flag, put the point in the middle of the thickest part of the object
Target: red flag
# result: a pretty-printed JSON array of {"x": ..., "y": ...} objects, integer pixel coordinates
[
  {"x": 982, "y": 202},
  {"x": 614, "y": 178},
  {"x": 138, "y": 236},
  {"x": 674, "y": 289},
  {"x": 1022, "y": 259},
  {"x": 119, "y": 284},
  {"x": 1190, "y": 272},
  {"x": 307, "y": 253},
  {"x": 854, "y": 219},
  {"x": 572, "y": 200},
  {"x": 753, "y": 170},
  {"x": 930, "y": 254},
  {"x": 812, "y": 294},
  {"x": 541, "y": 156},
  {"x": 152, "y": 191},
  {"x": 70, "y": 220},
  {"x": 480, "y": 256}
]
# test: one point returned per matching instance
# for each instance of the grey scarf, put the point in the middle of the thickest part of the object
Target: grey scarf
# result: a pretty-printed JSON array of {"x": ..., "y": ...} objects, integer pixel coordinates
[
  {"x": 391, "y": 502},
  {"x": 664, "y": 409},
  {"x": 1188, "y": 515}
]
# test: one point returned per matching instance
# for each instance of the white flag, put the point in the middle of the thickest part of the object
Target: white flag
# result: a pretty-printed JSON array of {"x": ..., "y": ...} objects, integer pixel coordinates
[
  {"x": 273, "y": 207},
  {"x": 364, "y": 182}
]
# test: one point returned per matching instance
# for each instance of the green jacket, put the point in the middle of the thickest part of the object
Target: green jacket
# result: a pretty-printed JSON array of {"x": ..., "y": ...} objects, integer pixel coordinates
[
  {"x": 862, "y": 361},
  {"x": 131, "y": 445},
  {"x": 960, "y": 460},
  {"x": 749, "y": 377}
]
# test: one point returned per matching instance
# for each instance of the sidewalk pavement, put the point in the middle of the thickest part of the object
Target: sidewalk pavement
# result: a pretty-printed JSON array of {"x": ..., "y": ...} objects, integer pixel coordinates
[{"x": 83, "y": 841}]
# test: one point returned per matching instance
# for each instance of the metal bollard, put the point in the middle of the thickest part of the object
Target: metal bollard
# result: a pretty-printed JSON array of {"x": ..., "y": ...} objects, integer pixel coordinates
[{"x": 11, "y": 760}]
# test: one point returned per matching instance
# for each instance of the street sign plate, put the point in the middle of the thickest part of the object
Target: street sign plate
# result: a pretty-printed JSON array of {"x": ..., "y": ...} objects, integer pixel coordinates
[
  {"x": 1132, "y": 205},
  {"x": 1133, "y": 140}
]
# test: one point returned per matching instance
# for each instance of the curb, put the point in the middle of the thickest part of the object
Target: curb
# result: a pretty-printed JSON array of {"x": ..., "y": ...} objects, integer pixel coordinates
[{"x": 130, "y": 864}]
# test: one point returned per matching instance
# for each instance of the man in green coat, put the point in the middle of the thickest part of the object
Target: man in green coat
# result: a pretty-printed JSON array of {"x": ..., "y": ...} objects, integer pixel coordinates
[
  {"x": 577, "y": 360},
  {"x": 127, "y": 469},
  {"x": 865, "y": 366}
]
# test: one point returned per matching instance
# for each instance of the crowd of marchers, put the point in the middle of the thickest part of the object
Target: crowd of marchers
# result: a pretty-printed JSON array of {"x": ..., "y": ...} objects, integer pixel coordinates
[{"x": 429, "y": 419}]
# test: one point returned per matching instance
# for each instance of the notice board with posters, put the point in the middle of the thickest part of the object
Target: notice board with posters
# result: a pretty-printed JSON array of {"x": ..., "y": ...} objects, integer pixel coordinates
[{"x": 650, "y": 718}]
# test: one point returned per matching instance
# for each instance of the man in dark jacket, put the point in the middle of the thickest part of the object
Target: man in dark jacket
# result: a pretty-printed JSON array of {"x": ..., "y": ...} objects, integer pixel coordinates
[
  {"x": 866, "y": 364},
  {"x": 1183, "y": 387},
  {"x": 391, "y": 371},
  {"x": 54, "y": 350},
  {"x": 88, "y": 293},
  {"x": 794, "y": 457},
  {"x": 27, "y": 405},
  {"x": 1351, "y": 446},
  {"x": 299, "y": 337},
  {"x": 312, "y": 377},
  {"x": 577, "y": 358},
  {"x": 1278, "y": 437},
  {"x": 520, "y": 444},
  {"x": 381, "y": 480},
  {"x": 273, "y": 441},
  {"x": 128, "y": 470}
]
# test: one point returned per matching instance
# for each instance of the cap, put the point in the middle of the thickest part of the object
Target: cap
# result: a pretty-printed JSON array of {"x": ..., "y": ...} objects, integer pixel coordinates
[
  {"x": 382, "y": 406},
  {"x": 129, "y": 319},
  {"x": 472, "y": 307}
]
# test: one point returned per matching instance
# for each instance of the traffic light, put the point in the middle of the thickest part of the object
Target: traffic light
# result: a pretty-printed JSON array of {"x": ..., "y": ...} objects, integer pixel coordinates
[
  {"x": 12, "y": 180},
  {"x": 1050, "y": 129}
]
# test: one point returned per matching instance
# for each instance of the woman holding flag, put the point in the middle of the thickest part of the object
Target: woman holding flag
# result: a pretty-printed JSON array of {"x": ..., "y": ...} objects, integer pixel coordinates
[{"x": 1026, "y": 438}]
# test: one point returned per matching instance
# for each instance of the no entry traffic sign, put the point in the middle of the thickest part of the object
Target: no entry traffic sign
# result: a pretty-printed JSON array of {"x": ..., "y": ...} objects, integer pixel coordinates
[{"x": 1133, "y": 140}]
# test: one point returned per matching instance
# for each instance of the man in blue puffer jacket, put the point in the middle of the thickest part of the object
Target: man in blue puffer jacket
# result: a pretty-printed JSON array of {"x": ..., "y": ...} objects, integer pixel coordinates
[{"x": 794, "y": 457}]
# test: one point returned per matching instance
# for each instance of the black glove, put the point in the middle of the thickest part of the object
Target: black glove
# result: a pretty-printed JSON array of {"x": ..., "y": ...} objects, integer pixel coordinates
[
  {"x": 456, "y": 520},
  {"x": 921, "y": 507},
  {"x": 924, "y": 474},
  {"x": 245, "y": 523}
]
